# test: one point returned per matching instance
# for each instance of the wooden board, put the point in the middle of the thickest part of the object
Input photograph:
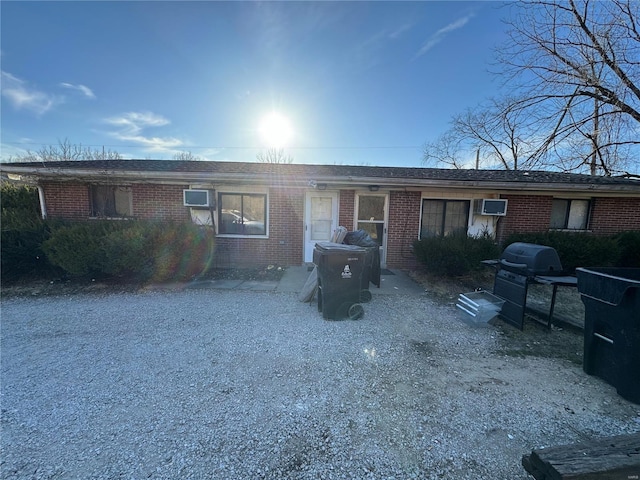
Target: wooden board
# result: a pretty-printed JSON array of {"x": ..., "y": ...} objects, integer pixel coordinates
[
  {"x": 610, "y": 458},
  {"x": 310, "y": 287}
]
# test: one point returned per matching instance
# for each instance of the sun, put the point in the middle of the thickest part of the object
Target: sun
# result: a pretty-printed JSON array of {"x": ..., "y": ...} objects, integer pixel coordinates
[{"x": 275, "y": 130}]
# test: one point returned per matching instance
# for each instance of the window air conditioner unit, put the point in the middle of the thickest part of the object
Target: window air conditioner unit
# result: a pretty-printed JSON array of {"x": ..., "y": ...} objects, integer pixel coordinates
[
  {"x": 196, "y": 198},
  {"x": 490, "y": 206}
]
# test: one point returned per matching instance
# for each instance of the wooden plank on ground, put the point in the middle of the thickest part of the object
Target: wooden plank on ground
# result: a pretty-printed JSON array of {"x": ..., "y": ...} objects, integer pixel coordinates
[{"x": 610, "y": 458}]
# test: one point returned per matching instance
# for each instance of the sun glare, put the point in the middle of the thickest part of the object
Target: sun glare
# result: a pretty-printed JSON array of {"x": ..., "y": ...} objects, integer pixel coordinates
[{"x": 275, "y": 130}]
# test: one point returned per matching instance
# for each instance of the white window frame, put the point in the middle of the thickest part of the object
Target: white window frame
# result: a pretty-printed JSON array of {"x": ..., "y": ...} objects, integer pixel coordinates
[
  {"x": 385, "y": 218},
  {"x": 446, "y": 199}
]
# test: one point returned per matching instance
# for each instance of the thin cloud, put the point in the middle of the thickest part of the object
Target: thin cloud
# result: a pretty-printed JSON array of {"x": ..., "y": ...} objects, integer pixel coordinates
[
  {"x": 437, "y": 37},
  {"x": 24, "y": 97},
  {"x": 400, "y": 30},
  {"x": 367, "y": 54},
  {"x": 131, "y": 126},
  {"x": 11, "y": 151},
  {"x": 86, "y": 91},
  {"x": 209, "y": 153},
  {"x": 136, "y": 121}
]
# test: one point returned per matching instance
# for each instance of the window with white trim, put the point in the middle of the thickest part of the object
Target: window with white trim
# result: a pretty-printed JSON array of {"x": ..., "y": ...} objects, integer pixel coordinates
[
  {"x": 371, "y": 216},
  {"x": 242, "y": 213},
  {"x": 570, "y": 214},
  {"x": 444, "y": 217},
  {"x": 110, "y": 201}
]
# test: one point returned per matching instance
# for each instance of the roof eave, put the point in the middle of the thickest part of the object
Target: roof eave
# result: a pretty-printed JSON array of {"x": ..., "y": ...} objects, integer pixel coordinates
[
  {"x": 79, "y": 174},
  {"x": 475, "y": 184}
]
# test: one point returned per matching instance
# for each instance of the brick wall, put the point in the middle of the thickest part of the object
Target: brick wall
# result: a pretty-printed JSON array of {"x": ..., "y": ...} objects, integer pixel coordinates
[
  {"x": 525, "y": 213},
  {"x": 286, "y": 231},
  {"x": 286, "y": 236},
  {"x": 532, "y": 213},
  {"x": 163, "y": 202},
  {"x": 613, "y": 215},
  {"x": 346, "y": 215},
  {"x": 71, "y": 201},
  {"x": 66, "y": 200},
  {"x": 404, "y": 224}
]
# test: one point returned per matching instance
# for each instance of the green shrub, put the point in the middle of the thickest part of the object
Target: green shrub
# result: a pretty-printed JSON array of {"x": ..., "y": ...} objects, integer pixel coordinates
[
  {"x": 454, "y": 255},
  {"x": 137, "y": 250},
  {"x": 20, "y": 197},
  {"x": 22, "y": 253},
  {"x": 629, "y": 249},
  {"x": 574, "y": 249},
  {"x": 181, "y": 251},
  {"x": 78, "y": 248},
  {"x": 23, "y": 232},
  {"x": 126, "y": 251}
]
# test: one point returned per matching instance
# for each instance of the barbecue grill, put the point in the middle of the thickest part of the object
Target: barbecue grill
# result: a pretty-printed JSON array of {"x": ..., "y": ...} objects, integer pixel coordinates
[{"x": 520, "y": 265}]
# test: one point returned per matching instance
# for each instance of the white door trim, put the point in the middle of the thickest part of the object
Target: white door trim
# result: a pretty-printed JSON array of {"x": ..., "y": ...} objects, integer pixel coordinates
[{"x": 309, "y": 244}]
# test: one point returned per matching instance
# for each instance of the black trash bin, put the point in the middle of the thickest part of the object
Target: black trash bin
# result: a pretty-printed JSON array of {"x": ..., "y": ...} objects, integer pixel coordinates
[
  {"x": 611, "y": 298},
  {"x": 371, "y": 272},
  {"x": 340, "y": 270}
]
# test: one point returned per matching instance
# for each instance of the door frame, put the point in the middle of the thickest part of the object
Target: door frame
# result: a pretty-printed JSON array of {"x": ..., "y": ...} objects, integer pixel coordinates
[
  {"x": 308, "y": 244},
  {"x": 385, "y": 225}
]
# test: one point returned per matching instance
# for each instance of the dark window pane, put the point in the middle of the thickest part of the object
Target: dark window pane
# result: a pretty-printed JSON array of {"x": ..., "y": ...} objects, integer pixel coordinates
[
  {"x": 122, "y": 201},
  {"x": 559, "y": 213},
  {"x": 570, "y": 214},
  {"x": 444, "y": 217},
  {"x": 109, "y": 201},
  {"x": 371, "y": 207},
  {"x": 230, "y": 213},
  {"x": 456, "y": 217},
  {"x": 432, "y": 215},
  {"x": 242, "y": 214},
  {"x": 254, "y": 214}
]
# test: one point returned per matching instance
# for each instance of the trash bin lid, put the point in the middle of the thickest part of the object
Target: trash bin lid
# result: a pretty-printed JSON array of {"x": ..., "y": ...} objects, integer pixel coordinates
[
  {"x": 339, "y": 247},
  {"x": 607, "y": 284}
]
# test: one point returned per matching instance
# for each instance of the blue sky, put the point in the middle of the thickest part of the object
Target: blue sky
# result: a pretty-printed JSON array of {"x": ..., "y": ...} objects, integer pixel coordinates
[{"x": 359, "y": 82}]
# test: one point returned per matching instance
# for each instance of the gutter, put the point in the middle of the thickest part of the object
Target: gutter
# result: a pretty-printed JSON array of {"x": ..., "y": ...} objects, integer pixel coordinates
[{"x": 43, "y": 205}]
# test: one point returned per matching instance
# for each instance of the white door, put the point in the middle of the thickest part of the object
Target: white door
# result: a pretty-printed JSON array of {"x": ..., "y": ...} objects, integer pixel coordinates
[
  {"x": 371, "y": 216},
  {"x": 320, "y": 220}
]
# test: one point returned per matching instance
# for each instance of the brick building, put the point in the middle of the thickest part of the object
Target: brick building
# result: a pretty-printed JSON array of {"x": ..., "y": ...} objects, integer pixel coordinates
[{"x": 275, "y": 213}]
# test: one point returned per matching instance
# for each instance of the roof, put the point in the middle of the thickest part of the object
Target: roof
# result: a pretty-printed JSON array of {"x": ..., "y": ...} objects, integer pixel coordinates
[{"x": 178, "y": 171}]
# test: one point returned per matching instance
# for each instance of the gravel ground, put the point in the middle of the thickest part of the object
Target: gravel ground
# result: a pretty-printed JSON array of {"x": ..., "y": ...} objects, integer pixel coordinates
[{"x": 250, "y": 385}]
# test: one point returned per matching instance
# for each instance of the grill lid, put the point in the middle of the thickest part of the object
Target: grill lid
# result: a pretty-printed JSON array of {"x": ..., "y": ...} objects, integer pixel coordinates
[{"x": 531, "y": 259}]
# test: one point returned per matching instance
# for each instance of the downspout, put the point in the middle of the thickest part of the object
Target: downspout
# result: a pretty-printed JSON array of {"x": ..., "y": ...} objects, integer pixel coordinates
[{"x": 43, "y": 206}]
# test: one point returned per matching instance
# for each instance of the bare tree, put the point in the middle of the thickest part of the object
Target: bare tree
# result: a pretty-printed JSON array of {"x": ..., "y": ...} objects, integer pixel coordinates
[
  {"x": 447, "y": 150},
  {"x": 65, "y": 151},
  {"x": 495, "y": 135},
  {"x": 185, "y": 156},
  {"x": 577, "y": 65},
  {"x": 274, "y": 155},
  {"x": 572, "y": 73}
]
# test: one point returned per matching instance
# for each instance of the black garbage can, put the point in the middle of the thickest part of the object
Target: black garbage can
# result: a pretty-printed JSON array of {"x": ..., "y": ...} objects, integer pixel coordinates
[
  {"x": 611, "y": 298},
  {"x": 340, "y": 269},
  {"x": 371, "y": 272}
]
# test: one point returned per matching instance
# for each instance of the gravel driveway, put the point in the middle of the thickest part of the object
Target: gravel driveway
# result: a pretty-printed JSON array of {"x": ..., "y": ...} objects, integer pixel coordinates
[{"x": 250, "y": 385}]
